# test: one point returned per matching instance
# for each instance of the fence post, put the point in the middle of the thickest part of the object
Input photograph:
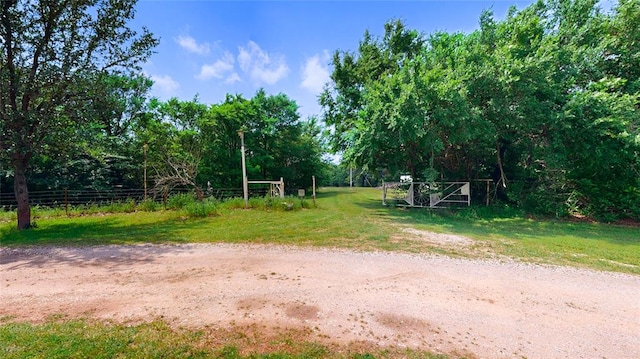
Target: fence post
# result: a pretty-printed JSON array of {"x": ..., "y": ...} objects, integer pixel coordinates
[
  {"x": 313, "y": 178},
  {"x": 164, "y": 197},
  {"x": 487, "y": 193},
  {"x": 281, "y": 187},
  {"x": 66, "y": 201}
]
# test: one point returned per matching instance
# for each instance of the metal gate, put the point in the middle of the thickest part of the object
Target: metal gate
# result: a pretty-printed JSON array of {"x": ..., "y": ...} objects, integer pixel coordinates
[{"x": 426, "y": 194}]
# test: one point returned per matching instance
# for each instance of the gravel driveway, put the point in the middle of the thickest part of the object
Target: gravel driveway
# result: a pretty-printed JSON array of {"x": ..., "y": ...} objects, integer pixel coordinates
[{"x": 491, "y": 308}]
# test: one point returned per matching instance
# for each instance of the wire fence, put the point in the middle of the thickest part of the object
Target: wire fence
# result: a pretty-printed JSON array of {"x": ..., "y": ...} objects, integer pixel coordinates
[{"x": 65, "y": 198}]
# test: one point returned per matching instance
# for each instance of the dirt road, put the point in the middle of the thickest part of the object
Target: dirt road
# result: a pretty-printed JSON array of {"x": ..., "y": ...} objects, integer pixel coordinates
[{"x": 493, "y": 309}]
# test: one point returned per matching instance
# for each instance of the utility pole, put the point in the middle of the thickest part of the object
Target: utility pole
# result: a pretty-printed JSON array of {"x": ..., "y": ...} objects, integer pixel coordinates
[
  {"x": 350, "y": 177},
  {"x": 245, "y": 185},
  {"x": 144, "y": 150}
]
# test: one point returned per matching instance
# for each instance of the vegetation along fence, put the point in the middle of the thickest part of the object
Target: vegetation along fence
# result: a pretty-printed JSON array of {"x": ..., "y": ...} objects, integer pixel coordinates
[{"x": 65, "y": 198}]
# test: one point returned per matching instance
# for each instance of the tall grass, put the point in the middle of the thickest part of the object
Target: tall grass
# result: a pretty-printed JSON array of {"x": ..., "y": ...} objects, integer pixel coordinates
[{"x": 183, "y": 203}]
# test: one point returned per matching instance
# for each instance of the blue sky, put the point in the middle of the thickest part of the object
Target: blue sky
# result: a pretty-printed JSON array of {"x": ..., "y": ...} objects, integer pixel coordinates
[{"x": 211, "y": 48}]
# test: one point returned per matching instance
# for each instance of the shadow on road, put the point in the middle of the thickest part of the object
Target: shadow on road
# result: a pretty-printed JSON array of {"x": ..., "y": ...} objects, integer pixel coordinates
[{"x": 12, "y": 258}]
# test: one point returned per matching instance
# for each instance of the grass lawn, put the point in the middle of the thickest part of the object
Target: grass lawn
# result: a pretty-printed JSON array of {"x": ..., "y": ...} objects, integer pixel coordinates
[{"x": 356, "y": 219}]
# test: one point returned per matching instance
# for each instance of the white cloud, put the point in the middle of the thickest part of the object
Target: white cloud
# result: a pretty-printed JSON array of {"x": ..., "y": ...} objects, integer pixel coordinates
[
  {"x": 218, "y": 69},
  {"x": 315, "y": 73},
  {"x": 234, "y": 77},
  {"x": 261, "y": 67},
  {"x": 165, "y": 84},
  {"x": 189, "y": 43}
]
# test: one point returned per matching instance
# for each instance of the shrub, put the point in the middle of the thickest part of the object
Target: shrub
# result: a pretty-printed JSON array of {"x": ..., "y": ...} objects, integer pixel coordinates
[
  {"x": 233, "y": 203},
  {"x": 257, "y": 203},
  {"x": 288, "y": 206},
  {"x": 126, "y": 206},
  {"x": 267, "y": 203},
  {"x": 148, "y": 205},
  {"x": 200, "y": 209},
  {"x": 180, "y": 200}
]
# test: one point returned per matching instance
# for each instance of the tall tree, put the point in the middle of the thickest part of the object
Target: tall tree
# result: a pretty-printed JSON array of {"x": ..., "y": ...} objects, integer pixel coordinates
[
  {"x": 175, "y": 141},
  {"x": 105, "y": 151},
  {"x": 375, "y": 59},
  {"x": 53, "y": 52},
  {"x": 220, "y": 125},
  {"x": 545, "y": 101}
]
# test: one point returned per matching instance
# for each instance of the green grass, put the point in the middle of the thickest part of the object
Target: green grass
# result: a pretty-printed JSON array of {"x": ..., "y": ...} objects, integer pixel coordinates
[
  {"x": 551, "y": 241},
  {"x": 352, "y": 219},
  {"x": 90, "y": 339}
]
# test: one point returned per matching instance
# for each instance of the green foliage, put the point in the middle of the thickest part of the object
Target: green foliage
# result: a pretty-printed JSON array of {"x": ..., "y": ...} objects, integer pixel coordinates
[
  {"x": 545, "y": 102},
  {"x": 201, "y": 209},
  {"x": 233, "y": 203},
  {"x": 180, "y": 200},
  {"x": 266, "y": 203},
  {"x": 148, "y": 205},
  {"x": 126, "y": 206},
  {"x": 278, "y": 144},
  {"x": 71, "y": 50}
]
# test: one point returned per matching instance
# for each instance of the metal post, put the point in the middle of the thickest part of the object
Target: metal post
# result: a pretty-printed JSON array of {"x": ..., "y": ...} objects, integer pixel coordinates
[{"x": 245, "y": 185}]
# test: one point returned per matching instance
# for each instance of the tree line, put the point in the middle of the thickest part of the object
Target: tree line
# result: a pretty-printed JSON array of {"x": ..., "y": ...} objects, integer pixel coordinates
[
  {"x": 179, "y": 143},
  {"x": 545, "y": 102},
  {"x": 75, "y": 112}
]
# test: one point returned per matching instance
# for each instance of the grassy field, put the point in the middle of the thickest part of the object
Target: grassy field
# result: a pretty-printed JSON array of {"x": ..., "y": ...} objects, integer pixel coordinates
[
  {"x": 344, "y": 218},
  {"x": 356, "y": 219}
]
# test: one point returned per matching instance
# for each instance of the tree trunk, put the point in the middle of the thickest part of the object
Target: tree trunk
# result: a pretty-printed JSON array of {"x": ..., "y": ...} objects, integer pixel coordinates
[{"x": 21, "y": 191}]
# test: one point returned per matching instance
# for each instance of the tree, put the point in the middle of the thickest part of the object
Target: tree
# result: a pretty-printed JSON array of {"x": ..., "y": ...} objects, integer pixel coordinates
[
  {"x": 219, "y": 127},
  {"x": 53, "y": 52},
  {"x": 545, "y": 102},
  {"x": 175, "y": 140},
  {"x": 375, "y": 59},
  {"x": 278, "y": 143}
]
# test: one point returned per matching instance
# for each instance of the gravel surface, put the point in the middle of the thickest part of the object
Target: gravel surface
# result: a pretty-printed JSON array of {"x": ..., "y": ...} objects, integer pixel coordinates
[{"x": 489, "y": 308}]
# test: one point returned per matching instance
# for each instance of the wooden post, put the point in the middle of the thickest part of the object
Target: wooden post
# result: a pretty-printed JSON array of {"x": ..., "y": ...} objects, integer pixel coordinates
[
  {"x": 66, "y": 202},
  {"x": 165, "y": 193},
  {"x": 487, "y": 192},
  {"x": 313, "y": 178}
]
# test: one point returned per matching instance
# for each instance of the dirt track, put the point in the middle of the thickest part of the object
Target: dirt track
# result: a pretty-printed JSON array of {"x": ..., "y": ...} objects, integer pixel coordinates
[{"x": 492, "y": 309}]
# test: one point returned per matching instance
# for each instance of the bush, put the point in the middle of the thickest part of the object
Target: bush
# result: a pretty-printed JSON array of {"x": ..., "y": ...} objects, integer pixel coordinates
[
  {"x": 267, "y": 203},
  {"x": 148, "y": 205},
  {"x": 127, "y": 206},
  {"x": 180, "y": 200},
  {"x": 257, "y": 203},
  {"x": 233, "y": 203},
  {"x": 201, "y": 209}
]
